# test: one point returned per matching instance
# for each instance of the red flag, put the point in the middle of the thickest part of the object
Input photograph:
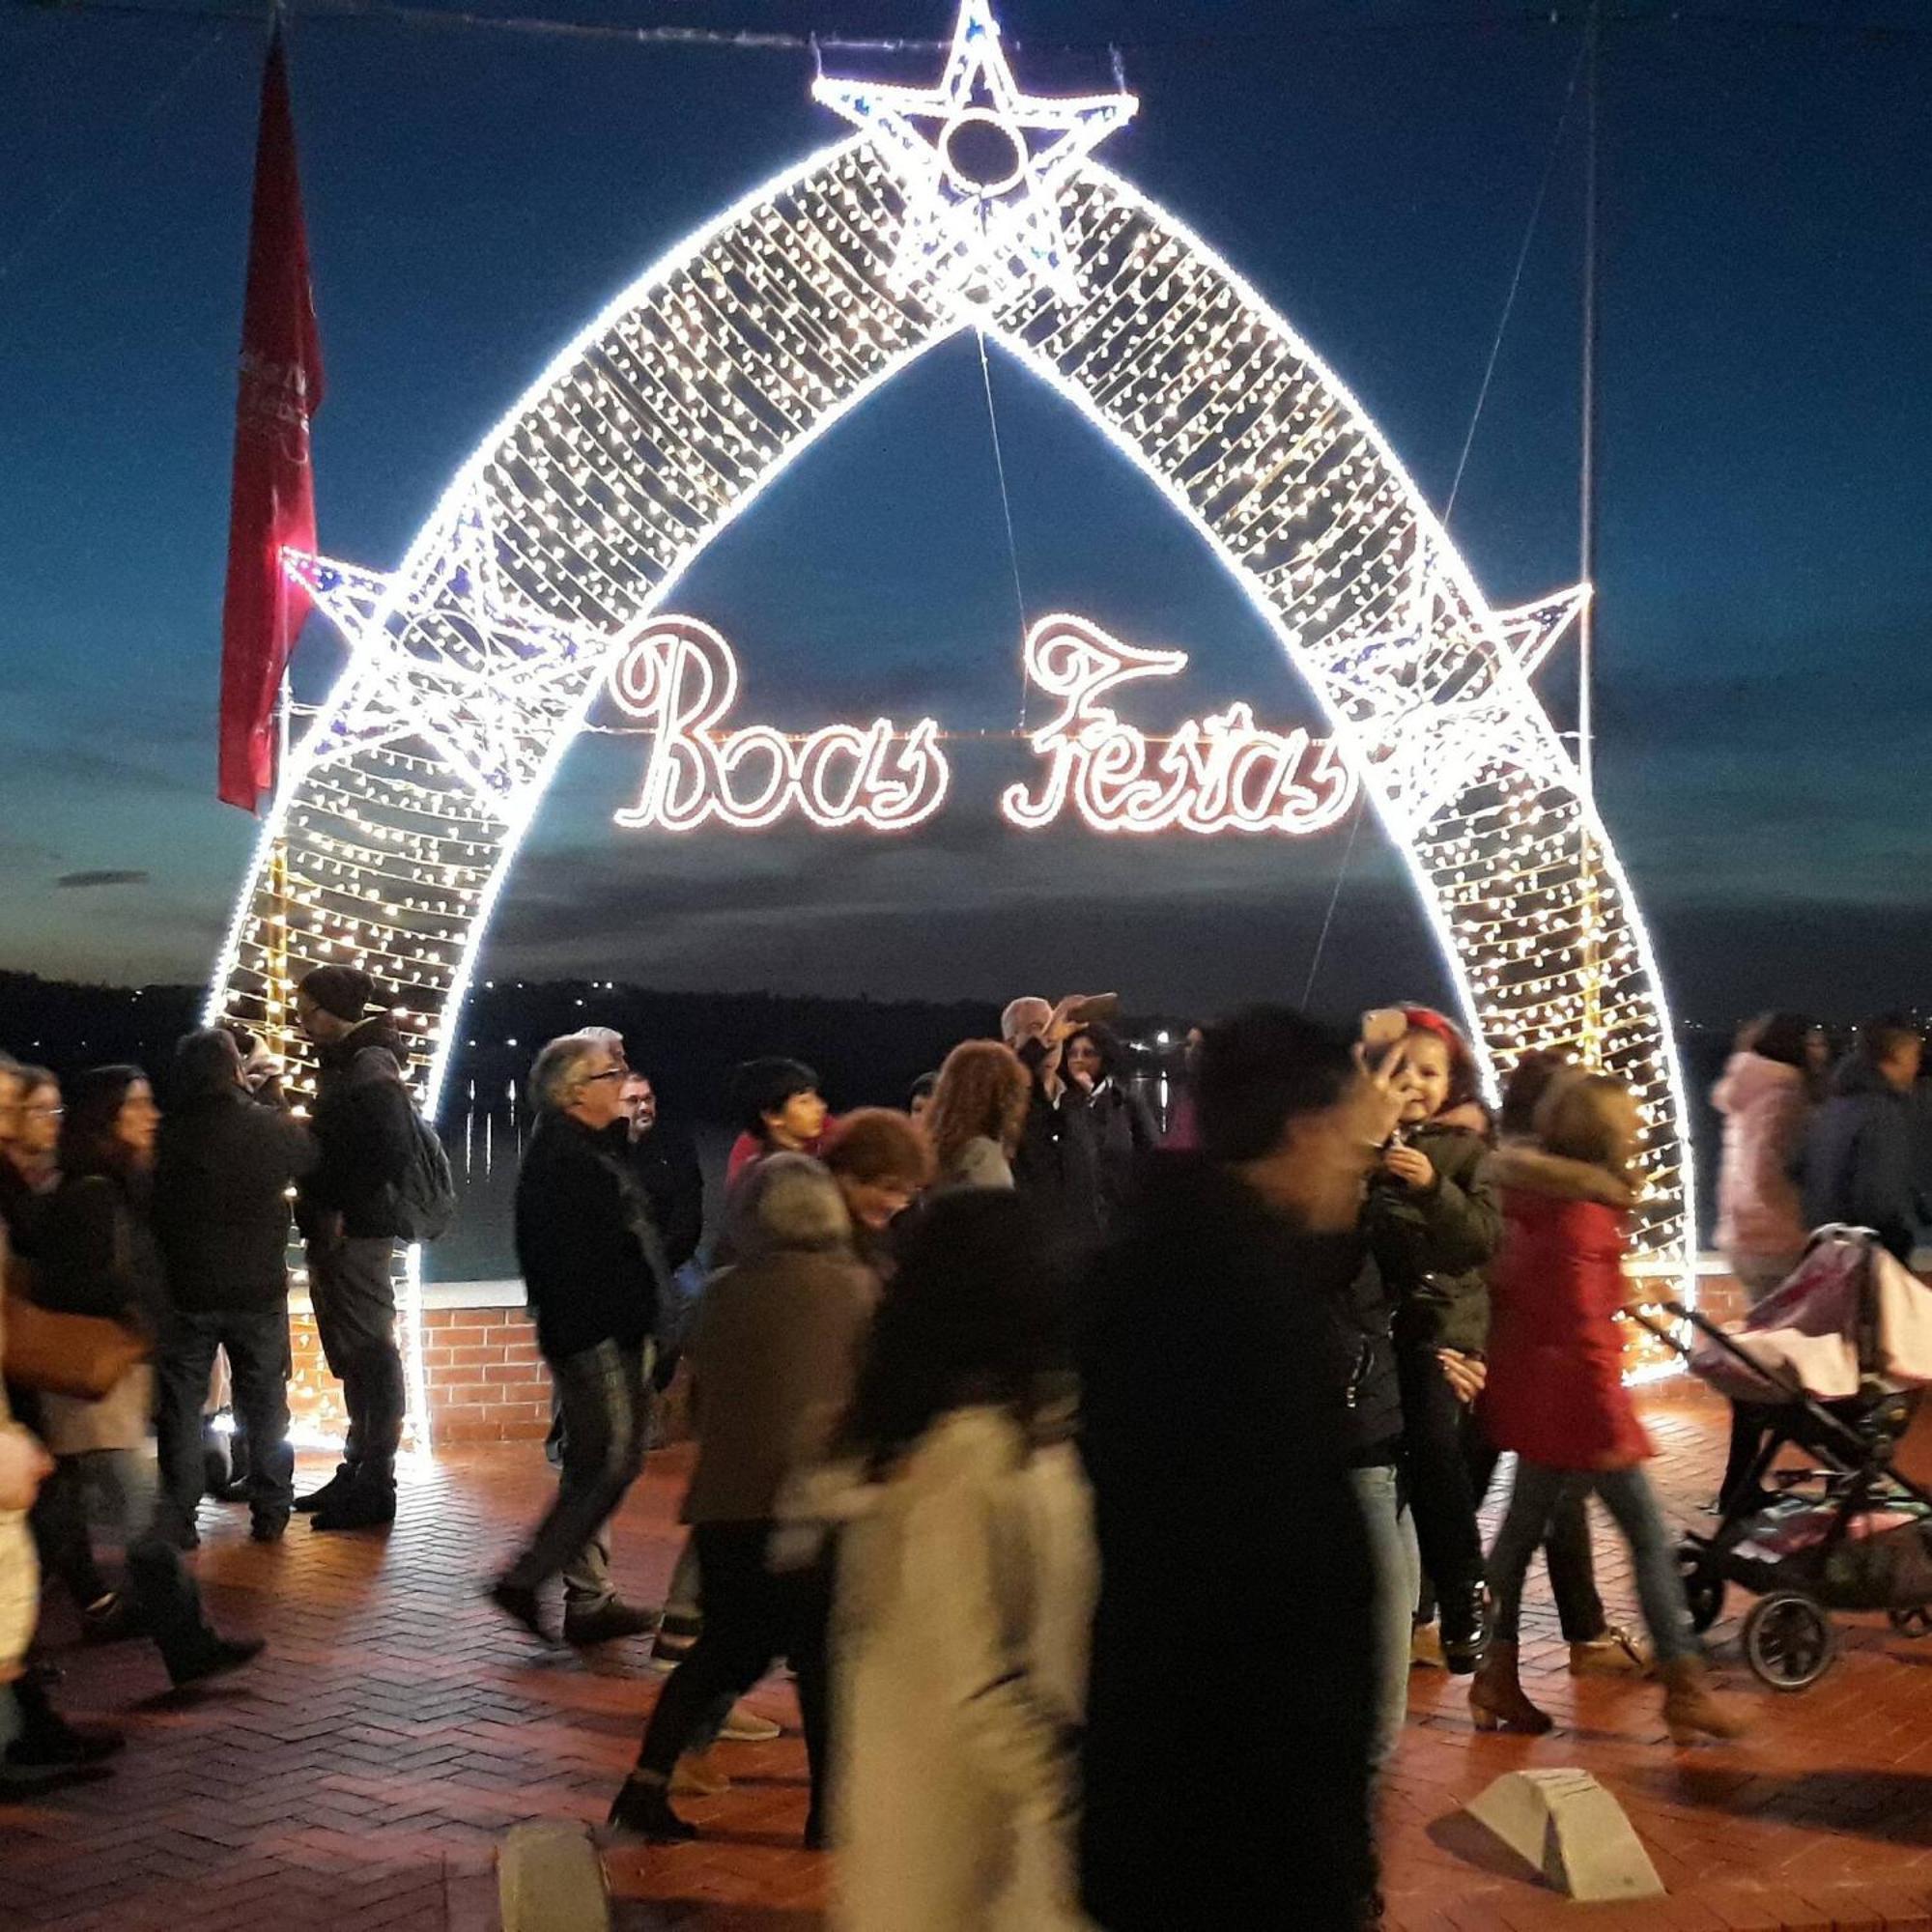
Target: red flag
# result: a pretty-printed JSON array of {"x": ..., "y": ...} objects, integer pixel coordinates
[{"x": 273, "y": 501}]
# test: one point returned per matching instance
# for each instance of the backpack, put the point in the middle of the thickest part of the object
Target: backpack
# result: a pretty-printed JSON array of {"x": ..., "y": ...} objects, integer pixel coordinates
[{"x": 425, "y": 1196}]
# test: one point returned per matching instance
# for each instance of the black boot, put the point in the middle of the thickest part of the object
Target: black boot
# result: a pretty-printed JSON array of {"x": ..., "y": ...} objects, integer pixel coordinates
[
  {"x": 1465, "y": 1625},
  {"x": 643, "y": 1807},
  {"x": 215, "y": 1657},
  {"x": 330, "y": 1491},
  {"x": 367, "y": 1502},
  {"x": 47, "y": 1741}
]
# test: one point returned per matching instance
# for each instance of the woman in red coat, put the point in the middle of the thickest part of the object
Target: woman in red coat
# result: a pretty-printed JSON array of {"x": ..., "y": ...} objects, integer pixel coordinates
[{"x": 1556, "y": 1393}]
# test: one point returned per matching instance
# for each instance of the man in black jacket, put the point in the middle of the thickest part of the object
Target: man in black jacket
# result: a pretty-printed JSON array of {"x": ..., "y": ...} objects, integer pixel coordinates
[
  {"x": 1859, "y": 1160},
  {"x": 1241, "y": 1292},
  {"x": 350, "y": 1216},
  {"x": 222, "y": 1171},
  {"x": 593, "y": 1269}
]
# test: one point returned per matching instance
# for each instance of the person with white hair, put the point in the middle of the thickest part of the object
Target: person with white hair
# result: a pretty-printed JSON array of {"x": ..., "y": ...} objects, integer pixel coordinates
[{"x": 593, "y": 1271}]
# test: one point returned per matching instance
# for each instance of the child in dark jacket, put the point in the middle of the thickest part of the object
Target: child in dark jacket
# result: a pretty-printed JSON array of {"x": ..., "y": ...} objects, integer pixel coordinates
[{"x": 1435, "y": 1224}]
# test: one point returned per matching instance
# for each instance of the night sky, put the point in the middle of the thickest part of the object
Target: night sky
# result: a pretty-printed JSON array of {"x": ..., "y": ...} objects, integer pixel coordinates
[{"x": 1765, "y": 687}]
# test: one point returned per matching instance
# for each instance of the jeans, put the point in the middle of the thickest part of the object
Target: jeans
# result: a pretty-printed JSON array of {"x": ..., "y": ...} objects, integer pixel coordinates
[
  {"x": 256, "y": 1341},
  {"x": 605, "y": 1402},
  {"x": 1566, "y": 1547},
  {"x": 1397, "y": 1578},
  {"x": 352, "y": 1285},
  {"x": 1539, "y": 1491},
  {"x": 123, "y": 1483},
  {"x": 752, "y": 1615}
]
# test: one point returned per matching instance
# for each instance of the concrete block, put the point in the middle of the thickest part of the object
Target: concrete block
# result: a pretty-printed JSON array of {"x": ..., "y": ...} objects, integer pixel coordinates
[
  {"x": 550, "y": 1878},
  {"x": 1566, "y": 1826}
]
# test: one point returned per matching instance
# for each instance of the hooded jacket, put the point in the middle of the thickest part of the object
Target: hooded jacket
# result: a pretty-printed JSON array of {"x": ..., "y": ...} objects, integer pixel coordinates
[
  {"x": 1856, "y": 1165},
  {"x": 364, "y": 1128},
  {"x": 222, "y": 1170},
  {"x": 1435, "y": 1247},
  {"x": 775, "y": 1351},
  {"x": 1218, "y": 1357},
  {"x": 586, "y": 1245},
  {"x": 1764, "y": 1104},
  {"x": 1556, "y": 1392}
]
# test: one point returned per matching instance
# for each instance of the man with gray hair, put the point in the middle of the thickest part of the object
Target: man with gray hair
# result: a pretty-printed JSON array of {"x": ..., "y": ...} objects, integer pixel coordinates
[{"x": 593, "y": 1270}]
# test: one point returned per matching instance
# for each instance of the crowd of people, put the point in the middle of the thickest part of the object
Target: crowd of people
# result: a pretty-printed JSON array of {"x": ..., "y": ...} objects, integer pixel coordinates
[{"x": 997, "y": 1400}]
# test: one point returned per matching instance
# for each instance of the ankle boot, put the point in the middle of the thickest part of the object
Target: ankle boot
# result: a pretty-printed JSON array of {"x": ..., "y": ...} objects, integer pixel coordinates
[
  {"x": 1464, "y": 1621},
  {"x": 1690, "y": 1709},
  {"x": 1497, "y": 1698}
]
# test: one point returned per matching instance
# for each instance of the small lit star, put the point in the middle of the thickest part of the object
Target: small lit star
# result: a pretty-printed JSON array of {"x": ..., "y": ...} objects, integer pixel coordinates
[{"x": 982, "y": 165}]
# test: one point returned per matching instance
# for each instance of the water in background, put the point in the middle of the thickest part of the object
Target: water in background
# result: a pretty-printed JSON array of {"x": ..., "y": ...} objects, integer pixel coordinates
[
  {"x": 485, "y": 1144},
  {"x": 486, "y": 1139}
]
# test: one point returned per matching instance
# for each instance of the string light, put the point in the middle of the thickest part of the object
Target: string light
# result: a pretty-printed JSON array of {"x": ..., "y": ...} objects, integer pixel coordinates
[
  {"x": 695, "y": 390},
  {"x": 1220, "y": 774}
]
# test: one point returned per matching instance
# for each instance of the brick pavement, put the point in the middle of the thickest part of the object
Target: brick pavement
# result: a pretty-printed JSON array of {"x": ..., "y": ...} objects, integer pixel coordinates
[{"x": 359, "y": 1777}]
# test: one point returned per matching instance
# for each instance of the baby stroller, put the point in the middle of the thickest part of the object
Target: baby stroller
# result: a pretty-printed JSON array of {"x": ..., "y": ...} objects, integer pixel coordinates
[{"x": 1834, "y": 1357}]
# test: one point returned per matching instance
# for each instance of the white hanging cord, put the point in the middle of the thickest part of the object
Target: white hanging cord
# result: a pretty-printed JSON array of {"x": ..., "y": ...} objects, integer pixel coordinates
[
  {"x": 1516, "y": 279},
  {"x": 1007, "y": 511},
  {"x": 1334, "y": 899},
  {"x": 1462, "y": 461}
]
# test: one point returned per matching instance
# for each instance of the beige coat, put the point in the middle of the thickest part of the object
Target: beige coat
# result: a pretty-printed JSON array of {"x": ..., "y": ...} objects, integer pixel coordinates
[
  {"x": 960, "y": 1631},
  {"x": 119, "y": 1420}
]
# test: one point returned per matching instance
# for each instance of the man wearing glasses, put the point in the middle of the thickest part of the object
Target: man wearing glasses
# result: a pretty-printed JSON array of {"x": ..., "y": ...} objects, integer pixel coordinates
[{"x": 593, "y": 1270}]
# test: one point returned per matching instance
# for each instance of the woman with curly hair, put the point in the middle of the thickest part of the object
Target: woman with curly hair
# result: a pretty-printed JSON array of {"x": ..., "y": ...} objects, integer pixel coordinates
[{"x": 978, "y": 1113}]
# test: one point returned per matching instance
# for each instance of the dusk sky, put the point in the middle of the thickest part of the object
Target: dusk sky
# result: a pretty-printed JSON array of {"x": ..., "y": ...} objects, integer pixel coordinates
[{"x": 1764, "y": 691}]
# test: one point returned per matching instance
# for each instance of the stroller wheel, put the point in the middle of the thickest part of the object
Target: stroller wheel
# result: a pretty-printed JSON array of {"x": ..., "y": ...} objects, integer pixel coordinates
[
  {"x": 1703, "y": 1585},
  {"x": 1788, "y": 1641},
  {"x": 1913, "y": 1622}
]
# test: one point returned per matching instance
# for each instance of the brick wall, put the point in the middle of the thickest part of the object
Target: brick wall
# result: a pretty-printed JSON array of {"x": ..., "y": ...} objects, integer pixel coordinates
[
  {"x": 485, "y": 1379},
  {"x": 487, "y": 1382}
]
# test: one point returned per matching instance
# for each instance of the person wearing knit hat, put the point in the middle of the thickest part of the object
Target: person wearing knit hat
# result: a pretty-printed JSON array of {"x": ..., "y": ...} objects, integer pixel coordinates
[
  {"x": 348, "y": 1211},
  {"x": 342, "y": 992}
]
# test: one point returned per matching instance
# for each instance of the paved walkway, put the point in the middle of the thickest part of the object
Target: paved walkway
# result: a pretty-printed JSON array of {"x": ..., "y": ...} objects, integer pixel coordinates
[{"x": 360, "y": 1775}]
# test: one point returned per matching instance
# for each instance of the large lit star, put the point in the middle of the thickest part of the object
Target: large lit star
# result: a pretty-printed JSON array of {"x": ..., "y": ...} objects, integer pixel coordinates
[
  {"x": 982, "y": 165},
  {"x": 453, "y": 658},
  {"x": 1425, "y": 711}
]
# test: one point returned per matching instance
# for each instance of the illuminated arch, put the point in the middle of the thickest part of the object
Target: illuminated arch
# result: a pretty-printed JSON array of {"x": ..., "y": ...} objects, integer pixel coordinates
[{"x": 403, "y": 806}]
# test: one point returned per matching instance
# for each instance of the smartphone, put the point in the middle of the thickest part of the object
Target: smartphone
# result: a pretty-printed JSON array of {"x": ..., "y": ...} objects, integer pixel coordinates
[{"x": 1096, "y": 1008}]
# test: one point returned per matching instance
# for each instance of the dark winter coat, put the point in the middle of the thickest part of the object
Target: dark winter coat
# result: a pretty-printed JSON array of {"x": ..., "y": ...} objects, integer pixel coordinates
[
  {"x": 665, "y": 1161},
  {"x": 776, "y": 1349},
  {"x": 1857, "y": 1162},
  {"x": 222, "y": 1171},
  {"x": 365, "y": 1132},
  {"x": 97, "y": 1253},
  {"x": 1217, "y": 1350},
  {"x": 23, "y": 1207},
  {"x": 1120, "y": 1131},
  {"x": 591, "y": 1262},
  {"x": 1055, "y": 1166},
  {"x": 1435, "y": 1247}
]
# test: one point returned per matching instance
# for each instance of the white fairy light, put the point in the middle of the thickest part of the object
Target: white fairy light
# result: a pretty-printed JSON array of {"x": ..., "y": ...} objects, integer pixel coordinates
[
  {"x": 695, "y": 390},
  {"x": 983, "y": 212}
]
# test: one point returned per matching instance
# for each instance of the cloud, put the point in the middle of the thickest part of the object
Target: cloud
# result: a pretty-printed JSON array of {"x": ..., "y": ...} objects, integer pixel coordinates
[{"x": 81, "y": 881}]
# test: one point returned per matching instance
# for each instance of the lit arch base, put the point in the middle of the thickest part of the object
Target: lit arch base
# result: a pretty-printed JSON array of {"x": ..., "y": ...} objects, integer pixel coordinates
[{"x": 403, "y": 806}]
